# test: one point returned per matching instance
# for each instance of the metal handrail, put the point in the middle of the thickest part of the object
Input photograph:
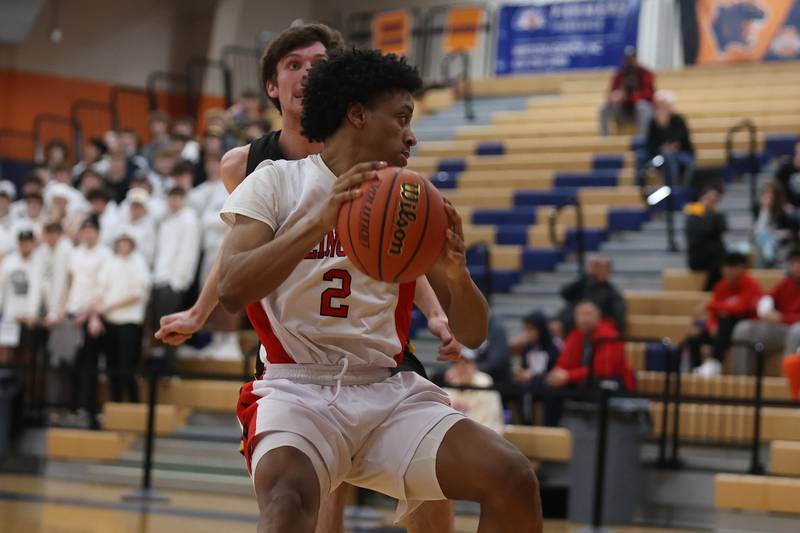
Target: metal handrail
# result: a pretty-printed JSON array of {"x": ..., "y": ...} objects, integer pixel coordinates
[
  {"x": 43, "y": 118},
  {"x": 751, "y": 128},
  {"x": 75, "y": 108},
  {"x": 19, "y": 134},
  {"x": 580, "y": 247},
  {"x": 204, "y": 63},
  {"x": 178, "y": 78},
  {"x": 466, "y": 79},
  {"x": 113, "y": 96}
]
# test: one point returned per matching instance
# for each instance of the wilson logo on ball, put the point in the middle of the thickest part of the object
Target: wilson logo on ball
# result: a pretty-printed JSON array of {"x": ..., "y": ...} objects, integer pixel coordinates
[{"x": 409, "y": 201}]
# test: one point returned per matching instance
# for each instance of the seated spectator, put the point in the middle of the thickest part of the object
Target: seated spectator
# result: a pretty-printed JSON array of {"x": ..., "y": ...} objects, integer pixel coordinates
[
  {"x": 610, "y": 363},
  {"x": 482, "y": 406},
  {"x": 705, "y": 227},
  {"x": 538, "y": 352},
  {"x": 177, "y": 254},
  {"x": 183, "y": 128},
  {"x": 124, "y": 291},
  {"x": 668, "y": 136},
  {"x": 93, "y": 158},
  {"x": 158, "y": 125},
  {"x": 135, "y": 216},
  {"x": 20, "y": 296},
  {"x": 597, "y": 287},
  {"x": 775, "y": 227},
  {"x": 55, "y": 153},
  {"x": 90, "y": 181},
  {"x": 631, "y": 96},
  {"x": 734, "y": 298},
  {"x": 778, "y": 324},
  {"x": 156, "y": 205},
  {"x": 492, "y": 357},
  {"x": 788, "y": 175}
]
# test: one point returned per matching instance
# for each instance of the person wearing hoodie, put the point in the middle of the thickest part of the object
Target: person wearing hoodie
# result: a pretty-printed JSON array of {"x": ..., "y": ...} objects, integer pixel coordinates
[
  {"x": 581, "y": 346},
  {"x": 735, "y": 298}
]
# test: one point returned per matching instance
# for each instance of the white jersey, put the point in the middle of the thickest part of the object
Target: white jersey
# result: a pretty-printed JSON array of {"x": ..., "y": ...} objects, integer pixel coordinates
[{"x": 327, "y": 309}]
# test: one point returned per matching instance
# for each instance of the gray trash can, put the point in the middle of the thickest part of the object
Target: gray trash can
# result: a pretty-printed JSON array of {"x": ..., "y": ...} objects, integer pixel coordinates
[
  {"x": 628, "y": 425},
  {"x": 9, "y": 388}
]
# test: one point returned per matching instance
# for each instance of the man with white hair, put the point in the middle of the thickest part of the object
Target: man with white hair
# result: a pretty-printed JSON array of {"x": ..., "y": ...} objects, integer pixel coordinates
[{"x": 668, "y": 137}]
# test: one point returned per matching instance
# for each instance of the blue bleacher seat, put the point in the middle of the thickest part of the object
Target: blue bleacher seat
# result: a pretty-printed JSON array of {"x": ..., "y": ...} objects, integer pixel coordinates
[
  {"x": 540, "y": 260},
  {"x": 490, "y": 148},
  {"x": 592, "y": 239},
  {"x": 14, "y": 170},
  {"x": 779, "y": 145},
  {"x": 608, "y": 161},
  {"x": 593, "y": 178},
  {"x": 515, "y": 216},
  {"x": 445, "y": 180},
  {"x": 452, "y": 165},
  {"x": 626, "y": 219},
  {"x": 536, "y": 198},
  {"x": 512, "y": 234}
]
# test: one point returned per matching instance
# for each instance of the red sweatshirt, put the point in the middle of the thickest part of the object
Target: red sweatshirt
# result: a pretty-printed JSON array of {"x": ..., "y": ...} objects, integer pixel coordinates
[
  {"x": 787, "y": 300},
  {"x": 739, "y": 300},
  {"x": 645, "y": 82},
  {"x": 609, "y": 359}
]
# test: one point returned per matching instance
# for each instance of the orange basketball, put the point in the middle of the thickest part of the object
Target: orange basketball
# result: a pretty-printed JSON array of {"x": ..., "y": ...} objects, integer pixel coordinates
[{"x": 396, "y": 230}]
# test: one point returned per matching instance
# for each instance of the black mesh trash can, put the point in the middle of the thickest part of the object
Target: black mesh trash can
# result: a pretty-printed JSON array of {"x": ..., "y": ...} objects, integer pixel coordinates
[{"x": 628, "y": 425}]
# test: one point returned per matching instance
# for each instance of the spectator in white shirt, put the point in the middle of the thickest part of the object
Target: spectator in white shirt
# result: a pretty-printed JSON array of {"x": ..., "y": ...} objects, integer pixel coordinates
[
  {"x": 85, "y": 265},
  {"x": 156, "y": 206},
  {"x": 101, "y": 206},
  {"x": 31, "y": 184},
  {"x": 33, "y": 217},
  {"x": 54, "y": 256},
  {"x": 124, "y": 289},
  {"x": 163, "y": 162},
  {"x": 207, "y": 200},
  {"x": 177, "y": 254},
  {"x": 134, "y": 214},
  {"x": 94, "y": 157},
  {"x": 182, "y": 175},
  {"x": 19, "y": 301}
]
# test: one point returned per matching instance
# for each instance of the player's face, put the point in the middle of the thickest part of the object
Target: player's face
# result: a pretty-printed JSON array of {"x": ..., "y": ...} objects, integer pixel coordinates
[
  {"x": 387, "y": 128},
  {"x": 292, "y": 71}
]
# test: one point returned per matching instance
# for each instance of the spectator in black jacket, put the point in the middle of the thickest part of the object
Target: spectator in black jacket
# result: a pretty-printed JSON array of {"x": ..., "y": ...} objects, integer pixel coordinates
[
  {"x": 668, "y": 137},
  {"x": 788, "y": 175},
  {"x": 775, "y": 227},
  {"x": 596, "y": 286},
  {"x": 705, "y": 227}
]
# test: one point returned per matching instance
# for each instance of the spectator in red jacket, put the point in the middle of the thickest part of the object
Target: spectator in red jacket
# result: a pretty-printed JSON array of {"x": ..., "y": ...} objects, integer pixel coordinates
[
  {"x": 778, "y": 324},
  {"x": 735, "y": 298},
  {"x": 630, "y": 98},
  {"x": 610, "y": 363}
]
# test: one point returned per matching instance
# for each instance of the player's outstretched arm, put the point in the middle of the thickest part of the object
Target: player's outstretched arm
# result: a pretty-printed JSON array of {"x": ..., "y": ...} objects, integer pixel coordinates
[
  {"x": 466, "y": 308},
  {"x": 177, "y": 328},
  {"x": 254, "y": 263}
]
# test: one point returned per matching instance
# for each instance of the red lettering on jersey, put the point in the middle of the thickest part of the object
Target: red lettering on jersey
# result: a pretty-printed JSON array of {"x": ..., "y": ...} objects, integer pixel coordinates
[
  {"x": 312, "y": 254},
  {"x": 321, "y": 249},
  {"x": 339, "y": 249},
  {"x": 330, "y": 244}
]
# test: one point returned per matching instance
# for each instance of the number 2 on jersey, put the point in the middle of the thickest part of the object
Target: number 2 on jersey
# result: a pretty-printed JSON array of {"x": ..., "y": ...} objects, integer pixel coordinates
[{"x": 326, "y": 306}]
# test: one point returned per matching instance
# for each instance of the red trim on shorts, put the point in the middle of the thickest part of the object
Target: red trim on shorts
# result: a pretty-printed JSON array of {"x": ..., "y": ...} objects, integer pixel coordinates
[
  {"x": 276, "y": 354},
  {"x": 246, "y": 410},
  {"x": 402, "y": 315}
]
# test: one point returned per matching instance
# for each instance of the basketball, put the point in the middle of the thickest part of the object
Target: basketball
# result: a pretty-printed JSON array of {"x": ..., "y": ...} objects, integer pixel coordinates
[{"x": 394, "y": 231}]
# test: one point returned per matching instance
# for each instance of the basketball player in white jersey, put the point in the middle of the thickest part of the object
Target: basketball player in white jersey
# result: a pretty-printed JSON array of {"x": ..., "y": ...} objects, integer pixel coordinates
[
  {"x": 329, "y": 408},
  {"x": 284, "y": 67}
]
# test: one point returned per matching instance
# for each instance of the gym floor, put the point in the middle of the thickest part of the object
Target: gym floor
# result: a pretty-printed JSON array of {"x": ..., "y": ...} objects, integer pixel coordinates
[{"x": 31, "y": 504}]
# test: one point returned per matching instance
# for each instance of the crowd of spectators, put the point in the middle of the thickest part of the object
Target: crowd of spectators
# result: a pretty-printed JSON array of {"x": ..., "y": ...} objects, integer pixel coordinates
[{"x": 91, "y": 247}]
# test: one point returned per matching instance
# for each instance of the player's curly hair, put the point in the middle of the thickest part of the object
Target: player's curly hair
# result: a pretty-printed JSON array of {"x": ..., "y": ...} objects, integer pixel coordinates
[{"x": 349, "y": 76}]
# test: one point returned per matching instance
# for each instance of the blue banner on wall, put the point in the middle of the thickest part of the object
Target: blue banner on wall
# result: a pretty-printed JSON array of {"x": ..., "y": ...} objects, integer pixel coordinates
[{"x": 552, "y": 35}]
